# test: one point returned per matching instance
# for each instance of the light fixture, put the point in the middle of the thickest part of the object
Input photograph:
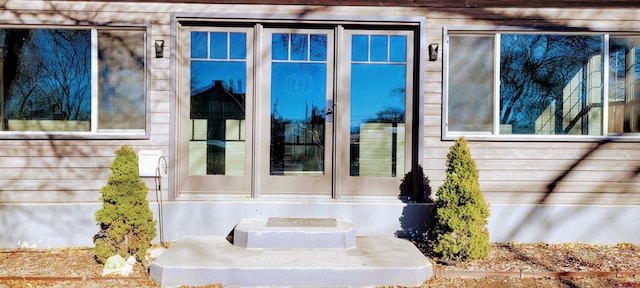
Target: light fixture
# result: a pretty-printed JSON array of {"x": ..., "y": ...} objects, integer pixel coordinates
[
  {"x": 433, "y": 51},
  {"x": 159, "y": 48}
]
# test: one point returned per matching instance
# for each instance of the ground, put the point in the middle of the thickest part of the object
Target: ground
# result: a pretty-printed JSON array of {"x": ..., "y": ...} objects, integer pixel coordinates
[{"x": 509, "y": 265}]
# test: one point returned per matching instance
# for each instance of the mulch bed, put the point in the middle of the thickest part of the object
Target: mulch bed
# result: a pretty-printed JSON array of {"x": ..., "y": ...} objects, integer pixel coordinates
[{"x": 509, "y": 265}]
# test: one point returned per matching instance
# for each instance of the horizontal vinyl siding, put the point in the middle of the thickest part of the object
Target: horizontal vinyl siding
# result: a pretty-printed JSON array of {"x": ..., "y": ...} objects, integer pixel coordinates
[
  {"x": 510, "y": 172},
  {"x": 59, "y": 171},
  {"x": 591, "y": 173}
]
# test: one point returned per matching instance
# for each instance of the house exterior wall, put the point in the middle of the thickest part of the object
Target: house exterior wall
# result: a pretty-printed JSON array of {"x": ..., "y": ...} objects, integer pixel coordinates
[{"x": 532, "y": 187}]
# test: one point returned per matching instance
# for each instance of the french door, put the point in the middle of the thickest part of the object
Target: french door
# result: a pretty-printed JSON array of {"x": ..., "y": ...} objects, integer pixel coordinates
[
  {"x": 289, "y": 112},
  {"x": 296, "y": 145}
]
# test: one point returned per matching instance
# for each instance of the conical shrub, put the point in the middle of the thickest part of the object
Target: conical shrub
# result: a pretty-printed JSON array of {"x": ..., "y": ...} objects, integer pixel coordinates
[
  {"x": 126, "y": 221},
  {"x": 460, "y": 222}
]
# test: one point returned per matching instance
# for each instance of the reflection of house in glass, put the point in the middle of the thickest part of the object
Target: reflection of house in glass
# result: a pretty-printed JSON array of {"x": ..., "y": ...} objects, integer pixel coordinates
[
  {"x": 217, "y": 130},
  {"x": 581, "y": 107},
  {"x": 297, "y": 147},
  {"x": 624, "y": 90},
  {"x": 381, "y": 150}
]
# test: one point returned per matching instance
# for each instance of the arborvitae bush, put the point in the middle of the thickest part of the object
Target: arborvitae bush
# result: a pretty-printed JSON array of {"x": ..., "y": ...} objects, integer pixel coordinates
[
  {"x": 460, "y": 230},
  {"x": 126, "y": 221}
]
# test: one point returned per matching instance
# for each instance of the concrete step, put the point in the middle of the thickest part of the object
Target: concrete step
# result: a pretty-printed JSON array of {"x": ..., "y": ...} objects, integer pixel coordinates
[
  {"x": 374, "y": 261},
  {"x": 295, "y": 233}
]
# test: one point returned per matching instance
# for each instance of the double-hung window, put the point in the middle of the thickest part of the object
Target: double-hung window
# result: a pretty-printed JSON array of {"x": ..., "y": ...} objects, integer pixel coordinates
[
  {"x": 70, "y": 82},
  {"x": 515, "y": 84}
]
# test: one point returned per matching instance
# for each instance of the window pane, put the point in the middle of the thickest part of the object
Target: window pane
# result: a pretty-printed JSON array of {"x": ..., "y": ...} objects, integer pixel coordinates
[
  {"x": 551, "y": 84},
  {"x": 398, "y": 45},
  {"x": 624, "y": 85},
  {"x": 238, "y": 46},
  {"x": 218, "y": 45},
  {"x": 299, "y": 46},
  {"x": 360, "y": 48},
  {"x": 199, "y": 45},
  {"x": 379, "y": 48},
  {"x": 217, "y": 112},
  {"x": 470, "y": 98},
  {"x": 121, "y": 57},
  {"x": 318, "y": 47},
  {"x": 280, "y": 47},
  {"x": 298, "y": 96},
  {"x": 377, "y": 124},
  {"x": 47, "y": 80}
]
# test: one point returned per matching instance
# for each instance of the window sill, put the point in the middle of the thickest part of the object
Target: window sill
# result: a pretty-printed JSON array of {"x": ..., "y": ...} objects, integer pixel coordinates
[{"x": 65, "y": 135}]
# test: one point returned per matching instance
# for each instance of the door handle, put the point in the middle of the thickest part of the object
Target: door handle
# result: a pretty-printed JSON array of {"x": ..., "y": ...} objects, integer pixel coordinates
[{"x": 329, "y": 109}]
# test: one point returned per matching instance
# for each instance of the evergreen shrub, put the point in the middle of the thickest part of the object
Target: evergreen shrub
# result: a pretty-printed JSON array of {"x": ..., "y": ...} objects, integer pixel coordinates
[
  {"x": 460, "y": 222},
  {"x": 126, "y": 221}
]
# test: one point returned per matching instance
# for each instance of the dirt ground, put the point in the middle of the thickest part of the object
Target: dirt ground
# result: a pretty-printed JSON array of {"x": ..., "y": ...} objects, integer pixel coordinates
[{"x": 509, "y": 265}]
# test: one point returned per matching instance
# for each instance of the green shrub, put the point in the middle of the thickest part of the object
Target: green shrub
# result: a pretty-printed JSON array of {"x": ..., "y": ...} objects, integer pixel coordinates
[
  {"x": 460, "y": 229},
  {"x": 126, "y": 221}
]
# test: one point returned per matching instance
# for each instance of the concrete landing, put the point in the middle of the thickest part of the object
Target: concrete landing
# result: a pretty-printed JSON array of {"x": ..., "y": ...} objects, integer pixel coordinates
[
  {"x": 375, "y": 261},
  {"x": 295, "y": 233}
]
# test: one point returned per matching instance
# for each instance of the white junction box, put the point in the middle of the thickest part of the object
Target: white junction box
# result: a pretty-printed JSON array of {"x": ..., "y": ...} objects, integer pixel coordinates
[{"x": 148, "y": 161}]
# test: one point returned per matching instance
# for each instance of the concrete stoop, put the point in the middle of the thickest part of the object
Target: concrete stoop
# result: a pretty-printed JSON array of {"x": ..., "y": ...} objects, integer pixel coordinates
[{"x": 323, "y": 253}]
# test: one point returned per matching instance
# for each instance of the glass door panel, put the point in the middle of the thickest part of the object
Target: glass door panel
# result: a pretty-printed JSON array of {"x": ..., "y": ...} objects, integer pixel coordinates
[
  {"x": 298, "y": 132},
  {"x": 213, "y": 111},
  {"x": 376, "y": 109}
]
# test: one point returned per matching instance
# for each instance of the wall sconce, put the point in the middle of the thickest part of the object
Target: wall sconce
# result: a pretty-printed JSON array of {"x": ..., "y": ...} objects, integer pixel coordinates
[
  {"x": 159, "y": 48},
  {"x": 433, "y": 52}
]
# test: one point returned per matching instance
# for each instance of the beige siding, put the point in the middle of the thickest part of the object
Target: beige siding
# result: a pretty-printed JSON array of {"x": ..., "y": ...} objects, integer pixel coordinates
[
  {"x": 76, "y": 170},
  {"x": 510, "y": 172},
  {"x": 604, "y": 173}
]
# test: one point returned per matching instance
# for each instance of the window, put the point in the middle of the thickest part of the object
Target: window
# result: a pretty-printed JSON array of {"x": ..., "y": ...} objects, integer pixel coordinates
[
  {"x": 72, "y": 81},
  {"x": 519, "y": 83}
]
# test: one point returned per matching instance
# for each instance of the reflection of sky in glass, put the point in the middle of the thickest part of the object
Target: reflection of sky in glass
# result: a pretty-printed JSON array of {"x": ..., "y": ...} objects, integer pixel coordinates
[
  {"x": 379, "y": 48},
  {"x": 218, "y": 45},
  {"x": 398, "y": 46},
  {"x": 360, "y": 48},
  {"x": 378, "y": 77},
  {"x": 204, "y": 73},
  {"x": 384, "y": 48},
  {"x": 198, "y": 44},
  {"x": 298, "y": 74},
  {"x": 296, "y": 88},
  {"x": 375, "y": 87},
  {"x": 227, "y": 52}
]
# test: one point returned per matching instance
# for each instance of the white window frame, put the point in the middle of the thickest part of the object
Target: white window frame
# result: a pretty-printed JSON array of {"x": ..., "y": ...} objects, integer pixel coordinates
[
  {"x": 94, "y": 132},
  {"x": 495, "y": 135}
]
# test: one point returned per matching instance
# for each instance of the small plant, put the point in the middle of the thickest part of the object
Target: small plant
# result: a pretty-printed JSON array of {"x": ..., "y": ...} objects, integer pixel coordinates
[
  {"x": 460, "y": 229},
  {"x": 126, "y": 221}
]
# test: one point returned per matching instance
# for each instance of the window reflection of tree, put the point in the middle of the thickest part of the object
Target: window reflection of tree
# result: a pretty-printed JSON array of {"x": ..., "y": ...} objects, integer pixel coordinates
[
  {"x": 297, "y": 143},
  {"x": 534, "y": 69},
  {"x": 47, "y": 74}
]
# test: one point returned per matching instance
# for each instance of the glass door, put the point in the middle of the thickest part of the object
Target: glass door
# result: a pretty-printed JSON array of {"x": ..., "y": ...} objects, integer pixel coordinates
[
  {"x": 296, "y": 112},
  {"x": 273, "y": 112},
  {"x": 375, "y": 91},
  {"x": 214, "y": 120}
]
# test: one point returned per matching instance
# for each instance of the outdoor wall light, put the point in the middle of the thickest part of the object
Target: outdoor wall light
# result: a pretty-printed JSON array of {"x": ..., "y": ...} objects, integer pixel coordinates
[
  {"x": 433, "y": 51},
  {"x": 159, "y": 48}
]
